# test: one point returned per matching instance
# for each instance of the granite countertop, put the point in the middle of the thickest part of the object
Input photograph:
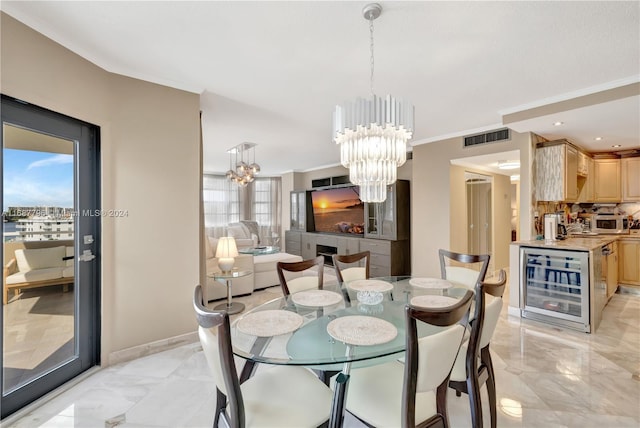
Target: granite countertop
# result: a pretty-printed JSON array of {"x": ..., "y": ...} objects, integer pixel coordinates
[{"x": 579, "y": 244}]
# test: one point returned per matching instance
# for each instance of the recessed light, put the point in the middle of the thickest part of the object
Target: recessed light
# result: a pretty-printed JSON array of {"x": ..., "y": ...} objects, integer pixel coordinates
[
  {"x": 508, "y": 164},
  {"x": 598, "y": 138},
  {"x": 558, "y": 123},
  {"x": 616, "y": 145}
]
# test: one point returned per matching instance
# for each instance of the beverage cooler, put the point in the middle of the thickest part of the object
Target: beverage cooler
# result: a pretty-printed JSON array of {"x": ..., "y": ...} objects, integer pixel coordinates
[{"x": 555, "y": 287}]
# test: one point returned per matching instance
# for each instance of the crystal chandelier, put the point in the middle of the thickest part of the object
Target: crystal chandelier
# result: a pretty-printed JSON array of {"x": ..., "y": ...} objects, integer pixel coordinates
[
  {"x": 373, "y": 134},
  {"x": 244, "y": 172}
]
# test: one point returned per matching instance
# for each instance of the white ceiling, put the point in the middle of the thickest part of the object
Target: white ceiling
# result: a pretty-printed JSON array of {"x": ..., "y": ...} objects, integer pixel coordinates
[{"x": 272, "y": 72}]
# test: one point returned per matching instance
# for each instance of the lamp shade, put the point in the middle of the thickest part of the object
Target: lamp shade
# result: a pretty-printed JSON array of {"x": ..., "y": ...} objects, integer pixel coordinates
[
  {"x": 226, "y": 252},
  {"x": 226, "y": 247}
]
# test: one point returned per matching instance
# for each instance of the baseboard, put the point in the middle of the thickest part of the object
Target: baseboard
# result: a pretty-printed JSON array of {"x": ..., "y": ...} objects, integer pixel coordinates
[
  {"x": 515, "y": 312},
  {"x": 134, "y": 352}
]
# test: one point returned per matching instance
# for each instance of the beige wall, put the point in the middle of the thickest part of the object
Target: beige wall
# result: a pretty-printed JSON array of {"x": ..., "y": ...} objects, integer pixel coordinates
[
  {"x": 149, "y": 166},
  {"x": 431, "y": 198}
]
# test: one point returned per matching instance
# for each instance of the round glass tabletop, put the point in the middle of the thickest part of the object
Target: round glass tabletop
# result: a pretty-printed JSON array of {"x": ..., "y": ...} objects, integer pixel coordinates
[{"x": 312, "y": 344}]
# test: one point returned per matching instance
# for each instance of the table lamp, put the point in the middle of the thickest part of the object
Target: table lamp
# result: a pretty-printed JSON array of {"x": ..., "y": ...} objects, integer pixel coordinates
[{"x": 226, "y": 252}]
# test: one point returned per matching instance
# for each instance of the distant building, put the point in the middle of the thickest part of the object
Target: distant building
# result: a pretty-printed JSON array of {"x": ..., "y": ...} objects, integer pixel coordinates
[{"x": 45, "y": 228}]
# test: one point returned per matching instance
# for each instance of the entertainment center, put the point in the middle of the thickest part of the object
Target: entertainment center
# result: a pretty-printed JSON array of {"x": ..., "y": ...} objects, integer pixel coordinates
[{"x": 331, "y": 219}]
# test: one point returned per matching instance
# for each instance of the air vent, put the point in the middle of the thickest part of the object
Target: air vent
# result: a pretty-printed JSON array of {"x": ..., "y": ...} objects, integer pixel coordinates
[{"x": 489, "y": 137}]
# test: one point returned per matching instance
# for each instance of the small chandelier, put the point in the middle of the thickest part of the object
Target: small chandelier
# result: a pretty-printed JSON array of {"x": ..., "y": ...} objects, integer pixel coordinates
[
  {"x": 244, "y": 172},
  {"x": 373, "y": 134}
]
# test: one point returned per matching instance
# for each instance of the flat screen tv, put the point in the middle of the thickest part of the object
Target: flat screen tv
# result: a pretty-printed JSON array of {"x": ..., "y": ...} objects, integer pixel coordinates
[{"x": 338, "y": 210}]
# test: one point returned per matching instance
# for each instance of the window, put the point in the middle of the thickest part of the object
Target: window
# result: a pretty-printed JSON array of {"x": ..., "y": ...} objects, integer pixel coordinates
[
  {"x": 221, "y": 201},
  {"x": 226, "y": 202}
]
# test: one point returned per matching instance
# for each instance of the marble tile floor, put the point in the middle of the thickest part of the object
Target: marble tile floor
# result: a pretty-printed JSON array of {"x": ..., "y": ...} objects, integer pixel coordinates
[{"x": 546, "y": 377}]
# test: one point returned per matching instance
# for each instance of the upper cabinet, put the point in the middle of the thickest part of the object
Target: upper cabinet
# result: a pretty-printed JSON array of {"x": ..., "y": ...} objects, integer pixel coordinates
[
  {"x": 583, "y": 164},
  {"x": 586, "y": 183},
  {"x": 607, "y": 180},
  {"x": 557, "y": 172},
  {"x": 389, "y": 219},
  {"x": 630, "y": 179}
]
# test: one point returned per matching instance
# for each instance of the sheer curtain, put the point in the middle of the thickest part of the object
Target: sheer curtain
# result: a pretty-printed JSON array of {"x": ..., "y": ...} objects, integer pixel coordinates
[
  {"x": 265, "y": 207},
  {"x": 221, "y": 200},
  {"x": 226, "y": 202}
]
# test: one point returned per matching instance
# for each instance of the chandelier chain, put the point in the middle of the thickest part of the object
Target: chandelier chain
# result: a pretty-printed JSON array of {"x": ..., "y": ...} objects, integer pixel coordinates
[{"x": 372, "y": 63}]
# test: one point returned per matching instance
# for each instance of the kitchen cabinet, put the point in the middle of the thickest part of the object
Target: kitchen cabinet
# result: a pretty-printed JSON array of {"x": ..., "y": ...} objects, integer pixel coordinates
[
  {"x": 557, "y": 172},
  {"x": 586, "y": 183},
  {"x": 629, "y": 262},
  {"x": 583, "y": 164},
  {"x": 389, "y": 219},
  {"x": 612, "y": 270},
  {"x": 630, "y": 177},
  {"x": 607, "y": 180}
]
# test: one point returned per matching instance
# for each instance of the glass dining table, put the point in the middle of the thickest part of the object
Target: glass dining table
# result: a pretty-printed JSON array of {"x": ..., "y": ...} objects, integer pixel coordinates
[{"x": 343, "y": 326}]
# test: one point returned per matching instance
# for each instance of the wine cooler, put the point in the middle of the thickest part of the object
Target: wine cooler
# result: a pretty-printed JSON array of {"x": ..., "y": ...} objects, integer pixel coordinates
[{"x": 555, "y": 287}]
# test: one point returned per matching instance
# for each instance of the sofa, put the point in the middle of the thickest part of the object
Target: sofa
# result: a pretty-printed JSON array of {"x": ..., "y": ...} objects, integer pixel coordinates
[{"x": 38, "y": 267}]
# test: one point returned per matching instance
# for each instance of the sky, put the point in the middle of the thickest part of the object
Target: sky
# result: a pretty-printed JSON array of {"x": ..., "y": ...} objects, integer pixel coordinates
[{"x": 37, "y": 178}]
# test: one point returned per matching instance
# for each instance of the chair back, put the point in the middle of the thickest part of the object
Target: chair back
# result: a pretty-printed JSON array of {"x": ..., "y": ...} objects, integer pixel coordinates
[
  {"x": 349, "y": 266},
  {"x": 429, "y": 360},
  {"x": 302, "y": 282},
  {"x": 215, "y": 337},
  {"x": 492, "y": 307},
  {"x": 463, "y": 269}
]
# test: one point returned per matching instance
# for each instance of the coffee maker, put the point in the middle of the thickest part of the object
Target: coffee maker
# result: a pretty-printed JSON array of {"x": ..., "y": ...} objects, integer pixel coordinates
[{"x": 554, "y": 226}]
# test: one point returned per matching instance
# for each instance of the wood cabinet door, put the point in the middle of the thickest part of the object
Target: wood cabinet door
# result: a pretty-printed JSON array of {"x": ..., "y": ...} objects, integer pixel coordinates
[
  {"x": 629, "y": 262},
  {"x": 607, "y": 180},
  {"x": 586, "y": 184},
  {"x": 630, "y": 179},
  {"x": 571, "y": 174}
]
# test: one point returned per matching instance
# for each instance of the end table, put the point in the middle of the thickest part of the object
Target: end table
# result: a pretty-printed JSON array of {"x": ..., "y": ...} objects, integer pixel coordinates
[{"x": 226, "y": 277}]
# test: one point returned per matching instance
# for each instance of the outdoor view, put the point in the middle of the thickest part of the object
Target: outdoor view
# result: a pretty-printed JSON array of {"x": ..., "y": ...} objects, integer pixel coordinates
[{"x": 38, "y": 274}]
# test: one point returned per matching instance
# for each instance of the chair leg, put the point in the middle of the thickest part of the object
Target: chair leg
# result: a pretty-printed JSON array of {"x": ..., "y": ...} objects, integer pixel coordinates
[
  {"x": 485, "y": 357},
  {"x": 473, "y": 389},
  {"x": 221, "y": 404}
]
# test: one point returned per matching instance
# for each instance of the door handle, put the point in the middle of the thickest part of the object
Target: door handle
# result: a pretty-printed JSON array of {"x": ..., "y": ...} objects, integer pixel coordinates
[{"x": 86, "y": 256}]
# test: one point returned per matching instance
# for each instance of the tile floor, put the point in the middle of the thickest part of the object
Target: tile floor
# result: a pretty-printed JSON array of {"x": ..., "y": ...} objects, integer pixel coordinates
[{"x": 546, "y": 377}]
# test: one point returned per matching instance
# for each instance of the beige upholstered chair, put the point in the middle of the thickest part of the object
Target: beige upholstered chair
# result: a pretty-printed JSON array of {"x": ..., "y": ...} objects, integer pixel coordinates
[
  {"x": 396, "y": 394},
  {"x": 281, "y": 396},
  {"x": 463, "y": 269},
  {"x": 473, "y": 367},
  {"x": 350, "y": 266},
  {"x": 300, "y": 283}
]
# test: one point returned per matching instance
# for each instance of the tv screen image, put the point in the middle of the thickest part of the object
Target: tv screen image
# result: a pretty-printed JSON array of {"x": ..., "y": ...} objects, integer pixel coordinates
[{"x": 338, "y": 210}]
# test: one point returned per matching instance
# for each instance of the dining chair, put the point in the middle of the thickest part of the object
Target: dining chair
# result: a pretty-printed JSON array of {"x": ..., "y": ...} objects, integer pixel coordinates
[
  {"x": 282, "y": 396},
  {"x": 473, "y": 367},
  {"x": 395, "y": 394},
  {"x": 349, "y": 266},
  {"x": 300, "y": 283},
  {"x": 463, "y": 269}
]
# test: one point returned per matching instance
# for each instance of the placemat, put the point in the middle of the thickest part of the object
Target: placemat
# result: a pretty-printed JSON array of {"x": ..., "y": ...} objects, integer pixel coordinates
[
  {"x": 269, "y": 323},
  {"x": 316, "y": 298},
  {"x": 433, "y": 301},
  {"x": 369, "y": 285},
  {"x": 430, "y": 283},
  {"x": 362, "y": 330}
]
